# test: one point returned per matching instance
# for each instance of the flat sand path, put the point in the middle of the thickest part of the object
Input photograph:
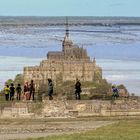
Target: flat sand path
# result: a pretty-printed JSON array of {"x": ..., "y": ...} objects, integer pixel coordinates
[{"x": 18, "y": 131}]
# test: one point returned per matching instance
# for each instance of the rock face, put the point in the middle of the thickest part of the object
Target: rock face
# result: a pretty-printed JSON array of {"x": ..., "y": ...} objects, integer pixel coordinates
[
  {"x": 14, "y": 110},
  {"x": 58, "y": 108},
  {"x": 69, "y": 64},
  {"x": 123, "y": 93},
  {"x": 73, "y": 108}
]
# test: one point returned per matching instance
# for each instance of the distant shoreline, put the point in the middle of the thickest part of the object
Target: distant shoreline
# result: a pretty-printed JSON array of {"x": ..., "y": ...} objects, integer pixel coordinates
[{"x": 73, "y": 21}]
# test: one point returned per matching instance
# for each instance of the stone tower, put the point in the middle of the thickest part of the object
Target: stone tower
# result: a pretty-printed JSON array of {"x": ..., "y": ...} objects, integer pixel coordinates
[{"x": 67, "y": 43}]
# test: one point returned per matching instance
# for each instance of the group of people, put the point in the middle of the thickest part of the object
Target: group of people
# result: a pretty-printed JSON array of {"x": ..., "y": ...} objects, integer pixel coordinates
[
  {"x": 10, "y": 91},
  {"x": 29, "y": 91}
]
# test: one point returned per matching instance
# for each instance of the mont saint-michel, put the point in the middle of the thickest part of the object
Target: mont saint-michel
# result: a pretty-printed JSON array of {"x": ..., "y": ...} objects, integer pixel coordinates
[{"x": 70, "y": 64}]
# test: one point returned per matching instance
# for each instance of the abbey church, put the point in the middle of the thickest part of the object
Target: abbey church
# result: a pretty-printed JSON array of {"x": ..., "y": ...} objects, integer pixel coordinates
[{"x": 70, "y": 64}]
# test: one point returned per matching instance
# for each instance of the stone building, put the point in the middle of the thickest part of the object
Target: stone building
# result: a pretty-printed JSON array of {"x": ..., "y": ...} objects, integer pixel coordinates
[{"x": 69, "y": 64}]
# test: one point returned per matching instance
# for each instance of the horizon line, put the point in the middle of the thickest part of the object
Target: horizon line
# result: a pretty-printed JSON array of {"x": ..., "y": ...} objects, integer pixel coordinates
[{"x": 70, "y": 16}]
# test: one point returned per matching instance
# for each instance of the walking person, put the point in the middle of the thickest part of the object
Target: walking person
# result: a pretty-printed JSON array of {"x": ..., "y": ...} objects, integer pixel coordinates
[
  {"x": 7, "y": 92},
  {"x": 78, "y": 90},
  {"x": 18, "y": 90},
  {"x": 32, "y": 90},
  {"x": 50, "y": 89},
  {"x": 12, "y": 92}
]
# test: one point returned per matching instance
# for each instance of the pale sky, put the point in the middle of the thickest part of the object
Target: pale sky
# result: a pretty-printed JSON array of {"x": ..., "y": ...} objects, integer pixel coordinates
[{"x": 70, "y": 8}]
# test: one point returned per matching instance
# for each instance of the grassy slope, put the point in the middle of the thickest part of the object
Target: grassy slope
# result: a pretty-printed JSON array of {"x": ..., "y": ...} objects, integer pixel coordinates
[{"x": 123, "y": 130}]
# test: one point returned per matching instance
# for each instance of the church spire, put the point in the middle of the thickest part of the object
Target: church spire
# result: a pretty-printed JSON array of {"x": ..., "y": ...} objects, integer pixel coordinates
[{"x": 67, "y": 27}]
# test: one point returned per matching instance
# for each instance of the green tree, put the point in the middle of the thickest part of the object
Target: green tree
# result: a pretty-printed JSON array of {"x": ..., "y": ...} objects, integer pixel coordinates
[
  {"x": 9, "y": 81},
  {"x": 19, "y": 79}
]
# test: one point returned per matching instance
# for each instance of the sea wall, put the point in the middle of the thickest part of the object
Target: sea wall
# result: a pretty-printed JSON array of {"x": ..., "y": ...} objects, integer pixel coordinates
[{"x": 70, "y": 108}]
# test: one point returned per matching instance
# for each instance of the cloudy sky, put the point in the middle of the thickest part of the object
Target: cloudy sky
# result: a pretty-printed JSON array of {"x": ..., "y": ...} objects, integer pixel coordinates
[{"x": 70, "y": 8}]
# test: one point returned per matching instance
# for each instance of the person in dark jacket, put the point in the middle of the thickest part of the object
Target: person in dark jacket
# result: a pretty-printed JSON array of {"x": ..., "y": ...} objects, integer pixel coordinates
[
  {"x": 12, "y": 91},
  {"x": 18, "y": 90},
  {"x": 50, "y": 89},
  {"x": 78, "y": 90},
  {"x": 32, "y": 90}
]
